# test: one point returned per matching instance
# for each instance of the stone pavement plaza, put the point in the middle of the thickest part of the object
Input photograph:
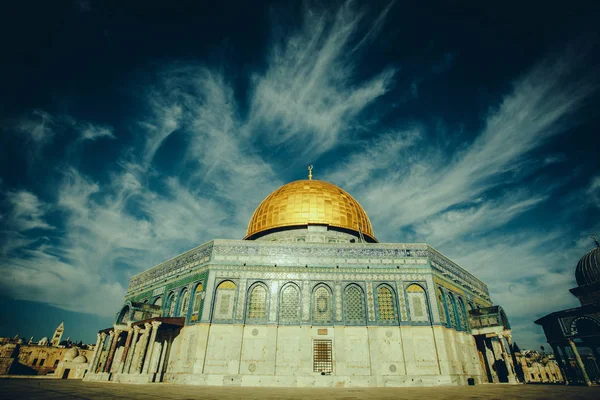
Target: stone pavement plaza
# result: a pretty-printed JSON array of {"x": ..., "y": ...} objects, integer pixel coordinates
[{"x": 75, "y": 389}]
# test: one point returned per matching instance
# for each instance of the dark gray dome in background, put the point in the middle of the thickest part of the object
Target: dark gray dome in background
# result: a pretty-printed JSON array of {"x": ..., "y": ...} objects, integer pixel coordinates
[{"x": 588, "y": 268}]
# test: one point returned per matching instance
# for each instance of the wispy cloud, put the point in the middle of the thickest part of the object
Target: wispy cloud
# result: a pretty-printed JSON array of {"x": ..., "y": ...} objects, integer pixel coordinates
[
  {"x": 309, "y": 93},
  {"x": 93, "y": 132},
  {"x": 593, "y": 191},
  {"x": 461, "y": 201},
  {"x": 38, "y": 126},
  {"x": 84, "y": 239}
]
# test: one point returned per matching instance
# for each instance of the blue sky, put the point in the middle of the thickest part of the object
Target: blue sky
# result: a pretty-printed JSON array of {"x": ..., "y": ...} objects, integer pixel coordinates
[{"x": 132, "y": 133}]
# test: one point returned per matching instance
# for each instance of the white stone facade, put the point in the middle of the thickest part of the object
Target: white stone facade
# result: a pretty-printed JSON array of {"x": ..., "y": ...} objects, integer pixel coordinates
[
  {"x": 266, "y": 355},
  {"x": 300, "y": 314}
]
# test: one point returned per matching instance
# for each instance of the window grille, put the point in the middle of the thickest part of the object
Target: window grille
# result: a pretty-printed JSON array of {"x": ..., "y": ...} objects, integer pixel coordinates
[
  {"x": 322, "y": 356},
  {"x": 290, "y": 305},
  {"x": 387, "y": 310},
  {"x": 322, "y": 306},
  {"x": 354, "y": 305},
  {"x": 258, "y": 303}
]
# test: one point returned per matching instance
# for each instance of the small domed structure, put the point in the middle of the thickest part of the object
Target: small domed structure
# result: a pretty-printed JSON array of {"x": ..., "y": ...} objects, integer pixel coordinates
[
  {"x": 80, "y": 359},
  {"x": 71, "y": 354},
  {"x": 588, "y": 268},
  {"x": 43, "y": 341}
]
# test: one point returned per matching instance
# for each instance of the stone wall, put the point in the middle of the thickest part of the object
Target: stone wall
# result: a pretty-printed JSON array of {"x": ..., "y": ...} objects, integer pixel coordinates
[{"x": 268, "y": 355}]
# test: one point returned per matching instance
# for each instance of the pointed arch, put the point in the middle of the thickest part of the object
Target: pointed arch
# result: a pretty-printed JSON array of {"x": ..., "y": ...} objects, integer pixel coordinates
[
  {"x": 387, "y": 311},
  {"x": 257, "y": 303},
  {"x": 170, "y": 305},
  {"x": 289, "y": 304},
  {"x": 322, "y": 312},
  {"x": 354, "y": 305},
  {"x": 463, "y": 313},
  {"x": 224, "y": 301},
  {"x": 124, "y": 315},
  {"x": 417, "y": 303},
  {"x": 184, "y": 303},
  {"x": 442, "y": 306},
  {"x": 197, "y": 301},
  {"x": 455, "y": 316}
]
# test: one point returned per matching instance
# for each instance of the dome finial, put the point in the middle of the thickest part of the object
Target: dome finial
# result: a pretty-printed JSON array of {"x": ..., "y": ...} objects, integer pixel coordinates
[
  {"x": 310, "y": 168},
  {"x": 595, "y": 239}
]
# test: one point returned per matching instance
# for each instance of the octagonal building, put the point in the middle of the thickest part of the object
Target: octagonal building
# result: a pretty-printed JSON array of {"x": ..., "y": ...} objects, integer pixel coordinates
[{"x": 308, "y": 298}]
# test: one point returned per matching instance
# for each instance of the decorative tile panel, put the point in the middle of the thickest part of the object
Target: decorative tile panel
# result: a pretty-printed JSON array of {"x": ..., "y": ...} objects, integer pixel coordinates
[
  {"x": 370, "y": 301},
  {"x": 403, "y": 316},
  {"x": 274, "y": 301},
  {"x": 241, "y": 299},
  {"x": 321, "y": 306},
  {"x": 305, "y": 301},
  {"x": 338, "y": 302}
]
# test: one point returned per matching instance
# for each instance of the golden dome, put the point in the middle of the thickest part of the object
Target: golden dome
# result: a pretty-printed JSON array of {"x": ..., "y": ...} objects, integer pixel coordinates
[{"x": 306, "y": 202}]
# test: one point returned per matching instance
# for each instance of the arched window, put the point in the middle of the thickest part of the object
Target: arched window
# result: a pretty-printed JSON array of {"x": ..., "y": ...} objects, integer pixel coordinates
[
  {"x": 463, "y": 314},
  {"x": 455, "y": 317},
  {"x": 289, "y": 305},
  {"x": 124, "y": 315},
  {"x": 158, "y": 301},
  {"x": 185, "y": 302},
  {"x": 417, "y": 302},
  {"x": 224, "y": 301},
  {"x": 257, "y": 303},
  {"x": 321, "y": 306},
  {"x": 198, "y": 301},
  {"x": 450, "y": 308},
  {"x": 441, "y": 305},
  {"x": 354, "y": 305},
  {"x": 386, "y": 305},
  {"x": 170, "y": 306}
]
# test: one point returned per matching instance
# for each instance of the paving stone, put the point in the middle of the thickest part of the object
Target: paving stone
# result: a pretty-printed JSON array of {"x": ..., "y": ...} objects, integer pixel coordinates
[{"x": 71, "y": 389}]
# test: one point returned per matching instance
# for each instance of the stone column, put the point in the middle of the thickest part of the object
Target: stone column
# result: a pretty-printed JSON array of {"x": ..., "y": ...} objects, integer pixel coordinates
[
  {"x": 111, "y": 352},
  {"x": 95, "y": 355},
  {"x": 163, "y": 356},
  {"x": 579, "y": 362},
  {"x": 560, "y": 361},
  {"x": 109, "y": 345},
  {"x": 490, "y": 357},
  {"x": 131, "y": 353},
  {"x": 155, "y": 325},
  {"x": 509, "y": 367},
  {"x": 143, "y": 343},
  {"x": 125, "y": 351}
]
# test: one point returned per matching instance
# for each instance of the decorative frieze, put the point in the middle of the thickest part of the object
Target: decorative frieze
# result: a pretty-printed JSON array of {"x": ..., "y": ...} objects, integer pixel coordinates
[{"x": 385, "y": 262}]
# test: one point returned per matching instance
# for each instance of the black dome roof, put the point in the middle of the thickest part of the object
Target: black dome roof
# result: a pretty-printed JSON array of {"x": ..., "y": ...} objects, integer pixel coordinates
[{"x": 588, "y": 268}]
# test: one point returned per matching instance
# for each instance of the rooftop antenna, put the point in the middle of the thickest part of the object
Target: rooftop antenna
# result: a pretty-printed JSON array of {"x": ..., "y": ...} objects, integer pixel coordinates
[
  {"x": 310, "y": 168},
  {"x": 595, "y": 239}
]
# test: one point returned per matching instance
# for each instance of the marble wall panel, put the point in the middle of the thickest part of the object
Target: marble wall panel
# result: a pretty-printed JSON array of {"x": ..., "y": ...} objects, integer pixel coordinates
[{"x": 223, "y": 349}]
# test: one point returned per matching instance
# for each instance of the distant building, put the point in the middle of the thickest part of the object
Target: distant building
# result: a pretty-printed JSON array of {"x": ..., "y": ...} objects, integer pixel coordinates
[
  {"x": 568, "y": 331},
  {"x": 18, "y": 358},
  {"x": 58, "y": 335},
  {"x": 308, "y": 298},
  {"x": 536, "y": 367}
]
